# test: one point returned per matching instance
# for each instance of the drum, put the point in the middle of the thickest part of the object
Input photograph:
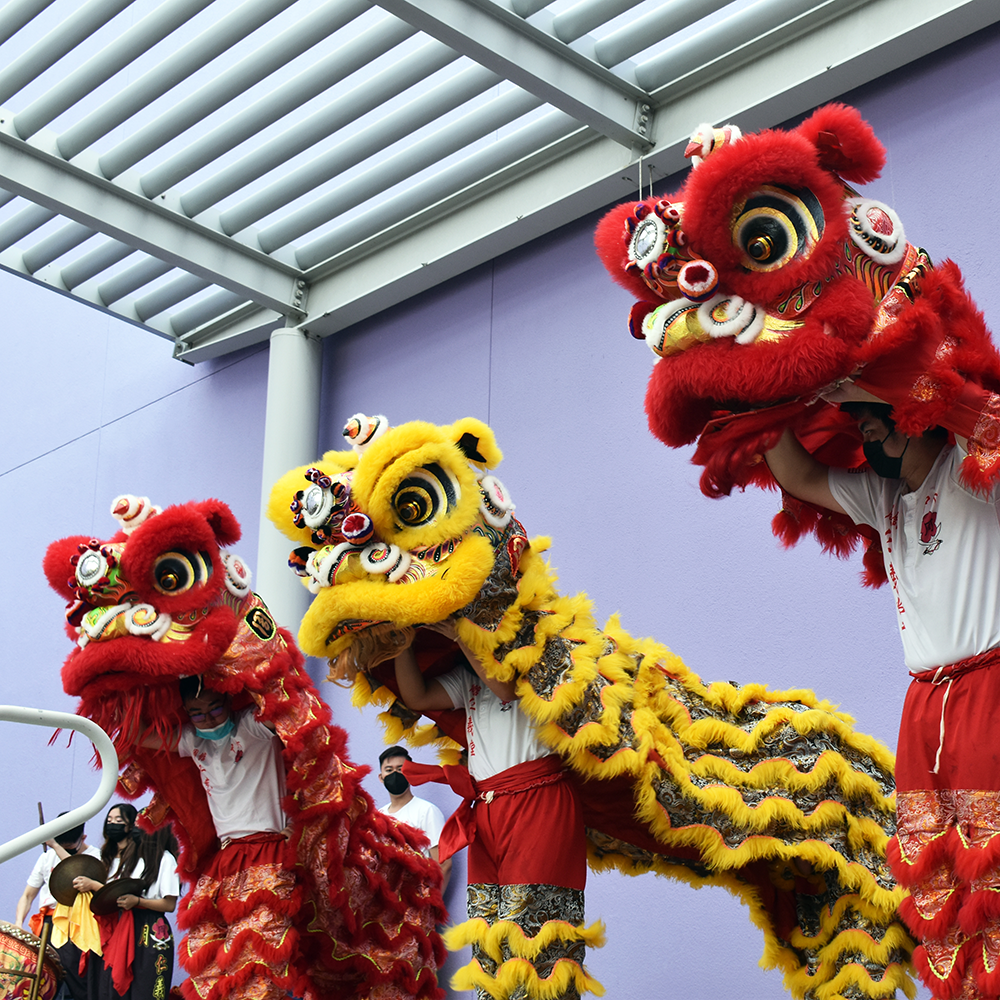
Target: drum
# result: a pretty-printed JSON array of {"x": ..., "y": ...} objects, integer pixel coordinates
[{"x": 19, "y": 963}]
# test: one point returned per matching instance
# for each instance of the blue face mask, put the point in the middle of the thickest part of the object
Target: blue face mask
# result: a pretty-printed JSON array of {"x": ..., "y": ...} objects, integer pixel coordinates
[{"x": 219, "y": 732}]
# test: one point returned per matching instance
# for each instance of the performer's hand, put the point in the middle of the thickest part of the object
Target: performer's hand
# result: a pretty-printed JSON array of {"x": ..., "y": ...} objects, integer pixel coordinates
[
  {"x": 445, "y": 628},
  {"x": 128, "y": 901},
  {"x": 848, "y": 391},
  {"x": 83, "y": 884}
]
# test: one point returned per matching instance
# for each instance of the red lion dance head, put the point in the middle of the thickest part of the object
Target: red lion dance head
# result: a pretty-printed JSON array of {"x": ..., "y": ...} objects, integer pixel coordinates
[{"x": 766, "y": 280}]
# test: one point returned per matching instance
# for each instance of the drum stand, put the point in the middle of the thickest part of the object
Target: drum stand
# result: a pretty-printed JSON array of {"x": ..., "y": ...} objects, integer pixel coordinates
[{"x": 39, "y": 974}]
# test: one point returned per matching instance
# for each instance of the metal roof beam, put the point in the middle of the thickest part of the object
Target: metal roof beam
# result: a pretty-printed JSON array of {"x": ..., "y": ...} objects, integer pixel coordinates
[
  {"x": 358, "y": 101},
  {"x": 271, "y": 56},
  {"x": 65, "y": 37},
  {"x": 585, "y": 16},
  {"x": 399, "y": 166},
  {"x": 47, "y": 180},
  {"x": 406, "y": 256},
  {"x": 663, "y": 22},
  {"x": 16, "y": 14},
  {"x": 71, "y": 89},
  {"x": 744, "y": 35},
  {"x": 533, "y": 60},
  {"x": 225, "y": 33},
  {"x": 455, "y": 186}
]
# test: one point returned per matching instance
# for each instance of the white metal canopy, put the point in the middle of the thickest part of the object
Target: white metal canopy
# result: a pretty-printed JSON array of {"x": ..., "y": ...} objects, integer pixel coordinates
[{"x": 211, "y": 170}]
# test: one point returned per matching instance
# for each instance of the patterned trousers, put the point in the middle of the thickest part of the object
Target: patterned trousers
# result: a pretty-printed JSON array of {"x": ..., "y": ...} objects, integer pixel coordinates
[{"x": 530, "y": 907}]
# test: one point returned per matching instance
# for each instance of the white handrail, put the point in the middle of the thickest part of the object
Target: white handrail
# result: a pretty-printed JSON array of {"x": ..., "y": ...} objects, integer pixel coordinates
[{"x": 109, "y": 775}]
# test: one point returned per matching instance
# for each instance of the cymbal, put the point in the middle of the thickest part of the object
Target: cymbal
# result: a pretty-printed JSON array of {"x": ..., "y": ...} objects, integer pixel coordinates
[
  {"x": 105, "y": 901},
  {"x": 61, "y": 879}
]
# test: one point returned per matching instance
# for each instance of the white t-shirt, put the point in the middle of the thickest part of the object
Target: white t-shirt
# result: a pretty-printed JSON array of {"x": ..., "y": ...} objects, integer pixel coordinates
[
  {"x": 498, "y": 733},
  {"x": 423, "y": 815},
  {"x": 941, "y": 545},
  {"x": 243, "y": 775},
  {"x": 167, "y": 883},
  {"x": 42, "y": 870}
]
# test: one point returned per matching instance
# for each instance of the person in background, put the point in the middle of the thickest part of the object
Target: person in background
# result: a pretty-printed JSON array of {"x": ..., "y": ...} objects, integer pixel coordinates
[
  {"x": 408, "y": 808},
  {"x": 152, "y": 859},
  {"x": 63, "y": 846}
]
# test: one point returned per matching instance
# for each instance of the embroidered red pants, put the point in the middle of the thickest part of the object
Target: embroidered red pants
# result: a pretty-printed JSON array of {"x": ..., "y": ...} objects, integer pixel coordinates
[{"x": 946, "y": 850}]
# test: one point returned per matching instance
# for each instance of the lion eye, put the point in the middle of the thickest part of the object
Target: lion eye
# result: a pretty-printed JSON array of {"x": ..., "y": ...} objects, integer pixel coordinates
[
  {"x": 776, "y": 226},
  {"x": 176, "y": 572},
  {"x": 424, "y": 495}
]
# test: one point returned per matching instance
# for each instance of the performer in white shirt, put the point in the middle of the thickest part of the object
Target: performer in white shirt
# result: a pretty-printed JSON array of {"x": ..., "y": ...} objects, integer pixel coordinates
[
  {"x": 941, "y": 545},
  {"x": 524, "y": 822}
]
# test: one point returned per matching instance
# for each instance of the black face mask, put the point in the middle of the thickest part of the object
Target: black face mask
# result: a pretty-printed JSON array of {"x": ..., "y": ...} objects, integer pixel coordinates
[
  {"x": 115, "y": 832},
  {"x": 881, "y": 463},
  {"x": 396, "y": 783}
]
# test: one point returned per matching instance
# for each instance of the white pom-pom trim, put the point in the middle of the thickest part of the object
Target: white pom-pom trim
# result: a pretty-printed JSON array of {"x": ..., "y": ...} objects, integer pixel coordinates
[
  {"x": 368, "y": 430},
  {"x": 895, "y": 241},
  {"x": 743, "y": 320},
  {"x": 238, "y": 575},
  {"x": 498, "y": 511}
]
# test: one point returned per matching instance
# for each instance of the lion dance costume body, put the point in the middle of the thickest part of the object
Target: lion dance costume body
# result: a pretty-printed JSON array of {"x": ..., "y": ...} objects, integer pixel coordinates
[
  {"x": 350, "y": 910},
  {"x": 765, "y": 282},
  {"x": 770, "y": 794}
]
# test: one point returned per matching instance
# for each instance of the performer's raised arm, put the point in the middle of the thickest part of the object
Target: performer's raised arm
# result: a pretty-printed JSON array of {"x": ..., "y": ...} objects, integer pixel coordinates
[
  {"x": 504, "y": 690},
  {"x": 799, "y": 474},
  {"x": 416, "y": 691}
]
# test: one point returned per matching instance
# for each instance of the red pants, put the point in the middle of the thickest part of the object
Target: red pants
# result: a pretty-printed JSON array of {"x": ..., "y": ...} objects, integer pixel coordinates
[
  {"x": 531, "y": 832},
  {"x": 946, "y": 850},
  {"x": 239, "y": 918}
]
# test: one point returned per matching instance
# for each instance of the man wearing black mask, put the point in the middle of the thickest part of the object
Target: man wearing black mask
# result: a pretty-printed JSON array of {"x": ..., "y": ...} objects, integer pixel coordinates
[
  {"x": 941, "y": 545},
  {"x": 408, "y": 808},
  {"x": 65, "y": 845}
]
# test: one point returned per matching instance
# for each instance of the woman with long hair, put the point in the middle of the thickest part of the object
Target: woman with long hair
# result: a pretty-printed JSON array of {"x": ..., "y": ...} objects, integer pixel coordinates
[{"x": 151, "y": 859}]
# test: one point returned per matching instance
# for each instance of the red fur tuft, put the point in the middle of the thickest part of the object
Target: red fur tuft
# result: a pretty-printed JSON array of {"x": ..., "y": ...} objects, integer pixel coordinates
[
  {"x": 932, "y": 928},
  {"x": 845, "y": 143},
  {"x": 723, "y": 182},
  {"x": 220, "y": 519}
]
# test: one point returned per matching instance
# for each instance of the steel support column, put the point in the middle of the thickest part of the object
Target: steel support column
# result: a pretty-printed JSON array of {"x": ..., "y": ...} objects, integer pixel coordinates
[{"x": 291, "y": 431}]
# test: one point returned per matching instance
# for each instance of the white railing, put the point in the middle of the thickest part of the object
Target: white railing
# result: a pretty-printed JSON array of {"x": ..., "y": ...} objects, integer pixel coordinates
[{"x": 109, "y": 775}]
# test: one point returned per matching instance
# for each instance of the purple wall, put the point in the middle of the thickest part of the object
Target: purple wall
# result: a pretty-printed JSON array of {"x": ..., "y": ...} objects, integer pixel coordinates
[{"x": 535, "y": 343}]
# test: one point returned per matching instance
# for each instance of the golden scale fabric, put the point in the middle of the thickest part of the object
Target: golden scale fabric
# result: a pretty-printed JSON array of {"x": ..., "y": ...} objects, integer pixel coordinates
[{"x": 771, "y": 794}]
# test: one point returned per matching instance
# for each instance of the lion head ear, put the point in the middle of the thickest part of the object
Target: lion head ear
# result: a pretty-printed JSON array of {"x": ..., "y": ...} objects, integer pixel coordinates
[
  {"x": 476, "y": 441},
  {"x": 845, "y": 142},
  {"x": 220, "y": 519}
]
